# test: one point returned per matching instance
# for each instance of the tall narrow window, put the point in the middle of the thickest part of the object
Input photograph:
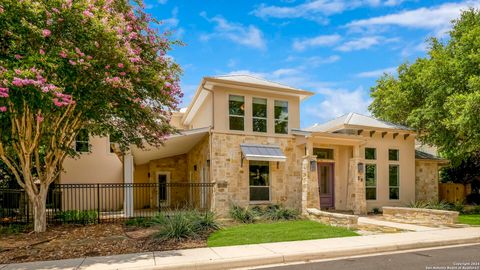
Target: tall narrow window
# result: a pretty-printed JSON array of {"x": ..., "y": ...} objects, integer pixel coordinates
[
  {"x": 371, "y": 181},
  {"x": 81, "y": 141},
  {"x": 236, "y": 109},
  {"x": 281, "y": 117},
  {"x": 394, "y": 182},
  {"x": 259, "y": 174},
  {"x": 259, "y": 114},
  {"x": 370, "y": 153}
]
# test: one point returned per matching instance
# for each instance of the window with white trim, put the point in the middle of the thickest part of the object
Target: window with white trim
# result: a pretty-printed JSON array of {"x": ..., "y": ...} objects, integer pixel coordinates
[
  {"x": 371, "y": 181},
  {"x": 259, "y": 180},
  {"x": 394, "y": 182},
  {"x": 259, "y": 114},
  {"x": 236, "y": 111},
  {"x": 81, "y": 142},
  {"x": 281, "y": 117}
]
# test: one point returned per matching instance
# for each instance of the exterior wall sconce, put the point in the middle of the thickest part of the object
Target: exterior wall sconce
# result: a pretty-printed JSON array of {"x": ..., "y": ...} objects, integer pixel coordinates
[
  {"x": 313, "y": 165},
  {"x": 360, "y": 168},
  {"x": 208, "y": 162},
  {"x": 195, "y": 167}
]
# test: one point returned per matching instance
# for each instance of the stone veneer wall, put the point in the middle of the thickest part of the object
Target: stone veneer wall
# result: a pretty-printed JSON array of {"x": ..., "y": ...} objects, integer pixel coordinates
[
  {"x": 420, "y": 215},
  {"x": 426, "y": 181},
  {"x": 333, "y": 219},
  {"x": 356, "y": 188},
  {"x": 197, "y": 158},
  {"x": 177, "y": 167},
  {"x": 232, "y": 180}
]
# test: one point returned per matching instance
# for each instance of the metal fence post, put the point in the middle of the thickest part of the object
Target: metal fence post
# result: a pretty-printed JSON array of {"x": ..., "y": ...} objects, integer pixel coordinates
[{"x": 98, "y": 203}]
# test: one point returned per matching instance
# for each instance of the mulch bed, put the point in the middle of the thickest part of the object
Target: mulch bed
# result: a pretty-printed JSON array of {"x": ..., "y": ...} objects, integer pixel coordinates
[{"x": 74, "y": 241}]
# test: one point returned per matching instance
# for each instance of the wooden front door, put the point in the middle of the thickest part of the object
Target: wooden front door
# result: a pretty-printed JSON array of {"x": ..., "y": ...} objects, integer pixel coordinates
[{"x": 326, "y": 184}]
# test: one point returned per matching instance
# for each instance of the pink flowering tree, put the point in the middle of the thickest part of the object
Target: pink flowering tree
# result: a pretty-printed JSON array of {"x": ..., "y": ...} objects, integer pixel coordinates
[{"x": 71, "y": 65}]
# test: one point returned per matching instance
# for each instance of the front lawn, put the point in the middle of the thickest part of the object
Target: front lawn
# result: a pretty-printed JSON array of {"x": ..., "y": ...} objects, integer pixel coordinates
[
  {"x": 275, "y": 232},
  {"x": 471, "y": 219}
]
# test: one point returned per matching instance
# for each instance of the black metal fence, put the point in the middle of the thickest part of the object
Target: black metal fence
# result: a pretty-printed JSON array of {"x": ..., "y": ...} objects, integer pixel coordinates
[{"x": 96, "y": 203}]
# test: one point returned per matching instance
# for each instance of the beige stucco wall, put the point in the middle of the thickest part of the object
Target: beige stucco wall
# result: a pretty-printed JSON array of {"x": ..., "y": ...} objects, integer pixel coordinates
[
  {"x": 203, "y": 117},
  {"x": 221, "y": 122},
  {"x": 406, "y": 162},
  {"x": 233, "y": 181},
  {"x": 426, "y": 180},
  {"x": 98, "y": 166}
]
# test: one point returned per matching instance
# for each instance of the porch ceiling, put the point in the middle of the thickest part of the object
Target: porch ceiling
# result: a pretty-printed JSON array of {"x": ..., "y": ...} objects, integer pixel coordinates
[{"x": 174, "y": 145}]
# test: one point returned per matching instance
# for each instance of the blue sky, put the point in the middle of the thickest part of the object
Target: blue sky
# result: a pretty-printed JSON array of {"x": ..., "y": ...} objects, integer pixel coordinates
[{"x": 335, "y": 48}]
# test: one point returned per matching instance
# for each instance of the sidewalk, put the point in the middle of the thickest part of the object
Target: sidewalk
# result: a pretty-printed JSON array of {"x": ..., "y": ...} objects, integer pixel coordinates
[{"x": 262, "y": 254}]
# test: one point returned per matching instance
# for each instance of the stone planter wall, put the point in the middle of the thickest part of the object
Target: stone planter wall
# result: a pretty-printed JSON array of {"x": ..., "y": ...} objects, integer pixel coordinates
[
  {"x": 333, "y": 219},
  {"x": 420, "y": 215}
]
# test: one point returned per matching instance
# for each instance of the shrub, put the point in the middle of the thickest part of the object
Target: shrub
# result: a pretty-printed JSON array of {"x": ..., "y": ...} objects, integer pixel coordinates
[
  {"x": 473, "y": 198},
  {"x": 418, "y": 204},
  {"x": 77, "y": 216},
  {"x": 13, "y": 229},
  {"x": 138, "y": 222},
  {"x": 240, "y": 214},
  {"x": 276, "y": 212},
  {"x": 184, "y": 224}
]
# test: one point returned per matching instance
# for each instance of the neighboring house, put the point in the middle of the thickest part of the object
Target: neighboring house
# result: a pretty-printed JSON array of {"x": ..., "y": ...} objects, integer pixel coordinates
[{"x": 243, "y": 134}]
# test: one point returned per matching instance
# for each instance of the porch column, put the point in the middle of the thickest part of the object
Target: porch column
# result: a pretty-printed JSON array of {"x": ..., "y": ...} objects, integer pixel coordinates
[
  {"x": 310, "y": 194},
  {"x": 356, "y": 199},
  {"x": 128, "y": 169}
]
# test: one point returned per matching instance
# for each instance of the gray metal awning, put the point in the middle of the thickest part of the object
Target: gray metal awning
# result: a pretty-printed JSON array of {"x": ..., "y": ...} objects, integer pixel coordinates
[{"x": 262, "y": 152}]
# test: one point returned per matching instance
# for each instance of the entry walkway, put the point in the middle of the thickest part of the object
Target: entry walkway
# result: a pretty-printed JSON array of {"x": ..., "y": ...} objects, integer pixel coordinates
[
  {"x": 265, "y": 254},
  {"x": 401, "y": 226}
]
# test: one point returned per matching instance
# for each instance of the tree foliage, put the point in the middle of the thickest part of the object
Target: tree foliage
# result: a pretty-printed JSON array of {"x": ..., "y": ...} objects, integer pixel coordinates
[
  {"x": 71, "y": 65},
  {"x": 439, "y": 95}
]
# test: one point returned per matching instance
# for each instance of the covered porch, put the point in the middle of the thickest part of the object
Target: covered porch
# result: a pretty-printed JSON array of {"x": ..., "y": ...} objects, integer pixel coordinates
[
  {"x": 336, "y": 171},
  {"x": 173, "y": 176}
]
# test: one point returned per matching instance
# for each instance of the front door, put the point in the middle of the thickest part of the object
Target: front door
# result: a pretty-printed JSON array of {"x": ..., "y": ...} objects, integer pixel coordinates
[
  {"x": 326, "y": 184},
  {"x": 163, "y": 192}
]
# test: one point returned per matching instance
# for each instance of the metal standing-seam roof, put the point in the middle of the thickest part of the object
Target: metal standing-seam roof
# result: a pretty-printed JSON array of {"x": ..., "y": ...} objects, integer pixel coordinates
[{"x": 262, "y": 152}]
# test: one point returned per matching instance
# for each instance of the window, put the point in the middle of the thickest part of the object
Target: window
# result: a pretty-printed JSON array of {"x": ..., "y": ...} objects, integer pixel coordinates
[
  {"x": 81, "y": 142},
  {"x": 393, "y": 154},
  {"x": 259, "y": 117},
  {"x": 394, "y": 182},
  {"x": 371, "y": 181},
  {"x": 323, "y": 153},
  {"x": 370, "y": 153},
  {"x": 259, "y": 173},
  {"x": 281, "y": 117},
  {"x": 236, "y": 109}
]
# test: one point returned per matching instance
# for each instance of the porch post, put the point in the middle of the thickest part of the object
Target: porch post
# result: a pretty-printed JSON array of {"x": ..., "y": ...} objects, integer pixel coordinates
[
  {"x": 310, "y": 194},
  {"x": 128, "y": 169},
  {"x": 356, "y": 199}
]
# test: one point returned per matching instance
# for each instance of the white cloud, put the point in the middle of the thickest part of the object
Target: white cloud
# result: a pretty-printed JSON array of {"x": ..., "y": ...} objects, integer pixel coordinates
[
  {"x": 323, "y": 40},
  {"x": 337, "y": 102},
  {"x": 359, "y": 44},
  {"x": 376, "y": 73},
  {"x": 314, "y": 61},
  {"x": 317, "y": 10},
  {"x": 173, "y": 21},
  {"x": 249, "y": 36},
  {"x": 162, "y": 2},
  {"x": 435, "y": 18}
]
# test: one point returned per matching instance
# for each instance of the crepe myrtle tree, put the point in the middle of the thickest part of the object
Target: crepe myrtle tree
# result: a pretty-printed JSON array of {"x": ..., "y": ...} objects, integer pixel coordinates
[{"x": 65, "y": 66}]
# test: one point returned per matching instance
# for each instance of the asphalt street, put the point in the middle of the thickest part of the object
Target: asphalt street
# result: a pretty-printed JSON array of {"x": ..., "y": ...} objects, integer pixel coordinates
[{"x": 452, "y": 258}]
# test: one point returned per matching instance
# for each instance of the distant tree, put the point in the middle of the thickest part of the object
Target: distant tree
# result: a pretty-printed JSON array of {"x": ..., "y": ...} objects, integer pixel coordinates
[
  {"x": 439, "y": 95},
  {"x": 71, "y": 65}
]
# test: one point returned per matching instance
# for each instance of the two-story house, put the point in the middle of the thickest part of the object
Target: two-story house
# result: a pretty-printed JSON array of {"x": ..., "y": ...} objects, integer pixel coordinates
[{"x": 241, "y": 138}]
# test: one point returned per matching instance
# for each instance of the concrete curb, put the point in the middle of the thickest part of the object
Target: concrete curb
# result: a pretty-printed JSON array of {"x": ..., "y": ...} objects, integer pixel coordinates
[{"x": 311, "y": 256}]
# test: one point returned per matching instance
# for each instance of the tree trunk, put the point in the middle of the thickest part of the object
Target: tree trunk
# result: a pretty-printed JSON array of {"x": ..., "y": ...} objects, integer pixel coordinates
[{"x": 40, "y": 212}]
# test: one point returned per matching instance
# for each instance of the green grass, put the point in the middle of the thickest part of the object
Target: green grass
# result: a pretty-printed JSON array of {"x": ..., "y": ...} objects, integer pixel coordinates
[
  {"x": 275, "y": 232},
  {"x": 471, "y": 219}
]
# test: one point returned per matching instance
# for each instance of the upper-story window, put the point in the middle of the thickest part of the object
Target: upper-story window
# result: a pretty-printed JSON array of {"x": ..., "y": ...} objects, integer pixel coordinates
[
  {"x": 81, "y": 141},
  {"x": 281, "y": 117},
  {"x": 393, "y": 155},
  {"x": 259, "y": 114},
  {"x": 236, "y": 110},
  {"x": 371, "y": 153}
]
